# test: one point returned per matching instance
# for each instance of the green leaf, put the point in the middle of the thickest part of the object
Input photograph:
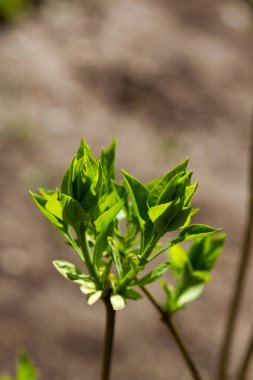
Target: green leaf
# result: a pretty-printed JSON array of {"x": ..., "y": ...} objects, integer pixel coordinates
[
  {"x": 204, "y": 253},
  {"x": 194, "y": 231},
  {"x": 132, "y": 294},
  {"x": 25, "y": 368},
  {"x": 66, "y": 208},
  {"x": 139, "y": 196},
  {"x": 163, "y": 221},
  {"x": 100, "y": 247},
  {"x": 107, "y": 161},
  {"x": 118, "y": 302},
  {"x": 66, "y": 184},
  {"x": 181, "y": 220},
  {"x": 88, "y": 287},
  {"x": 179, "y": 259},
  {"x": 189, "y": 295},
  {"x": 94, "y": 297},
  {"x": 153, "y": 275},
  {"x": 115, "y": 256},
  {"x": 41, "y": 204},
  {"x": 157, "y": 186},
  {"x": 168, "y": 193},
  {"x": 85, "y": 150},
  {"x": 70, "y": 272},
  {"x": 189, "y": 192},
  {"x": 156, "y": 211},
  {"x": 104, "y": 221}
]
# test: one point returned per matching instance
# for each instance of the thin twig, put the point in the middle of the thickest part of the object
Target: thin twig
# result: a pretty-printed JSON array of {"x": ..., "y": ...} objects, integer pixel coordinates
[
  {"x": 108, "y": 340},
  {"x": 242, "y": 373},
  {"x": 240, "y": 280},
  {"x": 167, "y": 320}
]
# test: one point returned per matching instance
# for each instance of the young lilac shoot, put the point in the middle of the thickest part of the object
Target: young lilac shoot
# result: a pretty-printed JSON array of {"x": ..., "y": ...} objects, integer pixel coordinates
[
  {"x": 88, "y": 209},
  {"x": 115, "y": 228}
]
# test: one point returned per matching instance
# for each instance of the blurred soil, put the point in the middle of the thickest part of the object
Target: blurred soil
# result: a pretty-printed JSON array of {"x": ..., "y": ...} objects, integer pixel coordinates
[{"x": 169, "y": 79}]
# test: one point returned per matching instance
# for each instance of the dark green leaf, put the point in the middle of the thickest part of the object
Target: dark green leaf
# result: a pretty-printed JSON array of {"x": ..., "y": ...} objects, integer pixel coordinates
[
  {"x": 139, "y": 196},
  {"x": 194, "y": 231},
  {"x": 204, "y": 253},
  {"x": 132, "y": 294}
]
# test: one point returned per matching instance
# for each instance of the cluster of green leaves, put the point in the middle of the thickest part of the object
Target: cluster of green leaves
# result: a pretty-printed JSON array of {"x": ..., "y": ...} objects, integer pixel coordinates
[
  {"x": 191, "y": 270},
  {"x": 115, "y": 227},
  {"x": 25, "y": 369}
]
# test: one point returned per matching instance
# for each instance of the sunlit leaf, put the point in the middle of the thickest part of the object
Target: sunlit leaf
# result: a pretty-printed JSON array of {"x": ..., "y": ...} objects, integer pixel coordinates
[{"x": 153, "y": 275}]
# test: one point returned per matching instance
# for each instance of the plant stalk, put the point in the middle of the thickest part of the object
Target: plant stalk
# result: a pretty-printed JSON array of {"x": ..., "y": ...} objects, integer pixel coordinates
[
  {"x": 166, "y": 318},
  {"x": 240, "y": 280},
  {"x": 243, "y": 370},
  {"x": 108, "y": 339}
]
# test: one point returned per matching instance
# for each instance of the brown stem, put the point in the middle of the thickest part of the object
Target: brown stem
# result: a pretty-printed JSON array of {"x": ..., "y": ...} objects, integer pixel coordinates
[
  {"x": 240, "y": 280},
  {"x": 166, "y": 318},
  {"x": 243, "y": 370},
  {"x": 108, "y": 339}
]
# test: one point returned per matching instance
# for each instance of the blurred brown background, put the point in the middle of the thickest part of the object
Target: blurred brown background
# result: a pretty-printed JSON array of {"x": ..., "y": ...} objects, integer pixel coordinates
[{"x": 170, "y": 79}]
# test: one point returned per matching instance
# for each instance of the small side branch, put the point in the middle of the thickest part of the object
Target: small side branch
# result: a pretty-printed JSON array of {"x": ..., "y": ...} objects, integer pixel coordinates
[{"x": 167, "y": 320}]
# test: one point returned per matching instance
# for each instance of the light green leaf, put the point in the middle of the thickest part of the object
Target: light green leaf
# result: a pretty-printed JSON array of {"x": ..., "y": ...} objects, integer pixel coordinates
[
  {"x": 189, "y": 295},
  {"x": 201, "y": 276},
  {"x": 66, "y": 208},
  {"x": 25, "y": 368},
  {"x": 85, "y": 150},
  {"x": 118, "y": 302},
  {"x": 157, "y": 186},
  {"x": 194, "y": 231},
  {"x": 139, "y": 196},
  {"x": 107, "y": 161},
  {"x": 179, "y": 259},
  {"x": 189, "y": 192},
  {"x": 41, "y": 204},
  {"x": 163, "y": 222},
  {"x": 94, "y": 297},
  {"x": 88, "y": 287},
  {"x": 70, "y": 272},
  {"x": 115, "y": 256},
  {"x": 168, "y": 193},
  {"x": 156, "y": 211},
  {"x": 104, "y": 221},
  {"x": 153, "y": 275},
  {"x": 100, "y": 247}
]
